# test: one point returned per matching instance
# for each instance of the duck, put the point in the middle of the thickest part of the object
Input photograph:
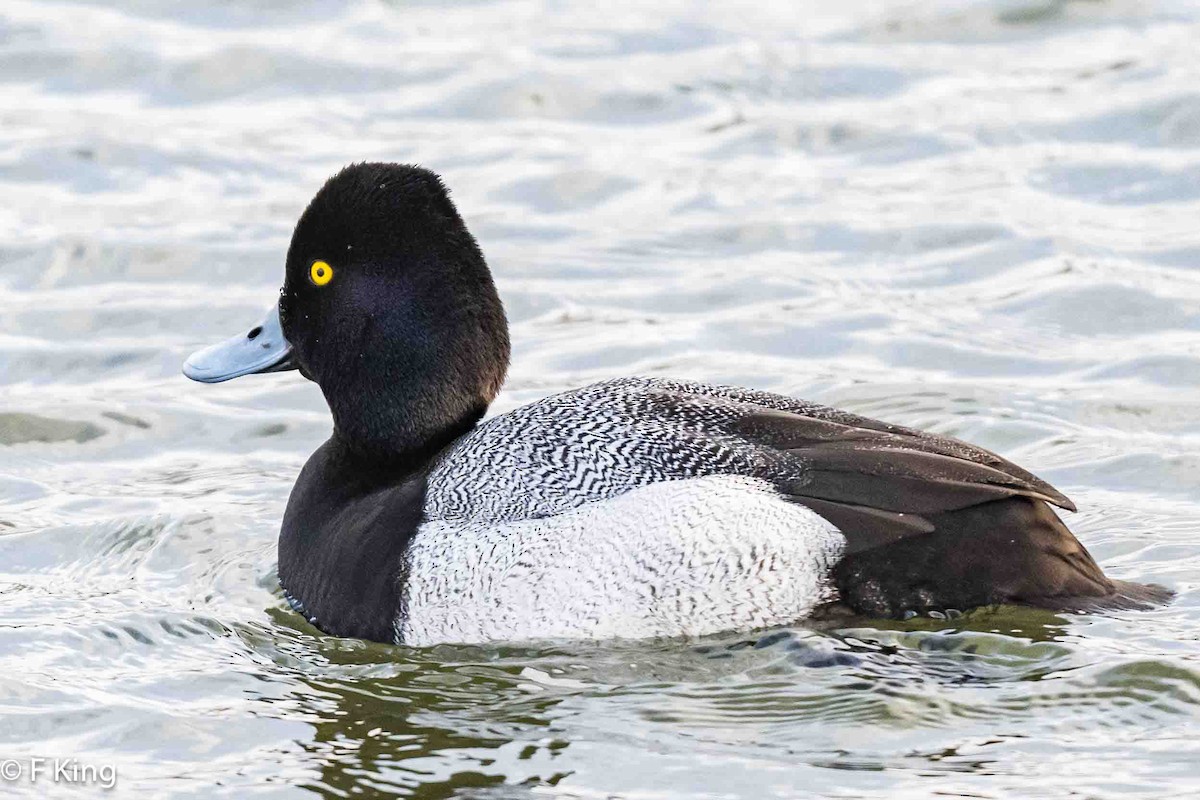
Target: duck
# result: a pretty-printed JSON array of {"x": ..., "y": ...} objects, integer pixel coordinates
[{"x": 639, "y": 507}]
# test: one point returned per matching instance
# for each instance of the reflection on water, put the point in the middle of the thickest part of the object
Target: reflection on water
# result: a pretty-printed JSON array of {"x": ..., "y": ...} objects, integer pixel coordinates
[{"x": 977, "y": 218}]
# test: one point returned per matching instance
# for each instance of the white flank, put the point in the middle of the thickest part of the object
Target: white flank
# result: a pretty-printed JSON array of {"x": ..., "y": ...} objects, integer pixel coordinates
[{"x": 676, "y": 558}]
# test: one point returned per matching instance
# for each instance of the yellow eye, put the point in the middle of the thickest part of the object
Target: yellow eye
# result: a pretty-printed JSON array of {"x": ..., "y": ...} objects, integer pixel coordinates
[{"x": 321, "y": 273}]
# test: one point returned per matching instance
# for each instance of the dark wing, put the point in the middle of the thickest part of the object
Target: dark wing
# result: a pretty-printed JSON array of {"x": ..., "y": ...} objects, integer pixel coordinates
[
  {"x": 930, "y": 522},
  {"x": 886, "y": 481},
  {"x": 880, "y": 481}
]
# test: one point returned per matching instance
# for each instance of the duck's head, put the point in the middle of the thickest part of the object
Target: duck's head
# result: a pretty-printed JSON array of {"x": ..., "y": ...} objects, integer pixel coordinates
[{"x": 387, "y": 303}]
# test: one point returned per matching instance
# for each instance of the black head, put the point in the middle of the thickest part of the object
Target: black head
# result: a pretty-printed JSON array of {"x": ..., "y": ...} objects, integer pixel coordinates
[{"x": 389, "y": 306}]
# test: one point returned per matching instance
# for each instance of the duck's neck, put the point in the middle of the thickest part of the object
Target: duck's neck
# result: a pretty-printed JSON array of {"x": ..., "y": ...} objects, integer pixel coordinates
[
  {"x": 396, "y": 430},
  {"x": 349, "y": 522},
  {"x": 347, "y": 527}
]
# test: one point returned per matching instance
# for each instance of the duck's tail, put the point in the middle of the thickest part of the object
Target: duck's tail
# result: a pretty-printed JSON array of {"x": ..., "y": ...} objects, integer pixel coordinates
[
  {"x": 1014, "y": 550},
  {"x": 1125, "y": 596}
]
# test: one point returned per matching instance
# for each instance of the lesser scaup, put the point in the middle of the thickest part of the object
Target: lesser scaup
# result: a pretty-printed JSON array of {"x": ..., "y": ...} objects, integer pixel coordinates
[{"x": 635, "y": 507}]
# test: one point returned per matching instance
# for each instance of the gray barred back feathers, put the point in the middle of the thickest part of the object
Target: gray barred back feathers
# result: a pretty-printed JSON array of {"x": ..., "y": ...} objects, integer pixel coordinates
[
  {"x": 629, "y": 508},
  {"x": 602, "y": 441}
]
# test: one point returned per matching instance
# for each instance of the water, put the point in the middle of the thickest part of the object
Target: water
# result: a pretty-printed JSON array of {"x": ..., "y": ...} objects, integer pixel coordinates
[{"x": 974, "y": 217}]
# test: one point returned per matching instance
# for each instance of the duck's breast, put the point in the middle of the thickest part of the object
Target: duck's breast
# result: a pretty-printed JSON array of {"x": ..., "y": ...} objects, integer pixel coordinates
[{"x": 675, "y": 558}]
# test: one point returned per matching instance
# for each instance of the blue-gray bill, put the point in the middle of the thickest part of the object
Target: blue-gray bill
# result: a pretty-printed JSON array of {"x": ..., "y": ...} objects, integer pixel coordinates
[{"x": 263, "y": 349}]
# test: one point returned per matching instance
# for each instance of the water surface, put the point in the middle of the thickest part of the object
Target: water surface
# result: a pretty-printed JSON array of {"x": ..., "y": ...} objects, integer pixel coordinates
[{"x": 979, "y": 218}]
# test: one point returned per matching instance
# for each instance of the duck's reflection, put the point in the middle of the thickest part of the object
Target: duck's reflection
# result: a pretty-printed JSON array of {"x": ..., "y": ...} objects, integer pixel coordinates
[
  {"x": 498, "y": 721},
  {"x": 420, "y": 723}
]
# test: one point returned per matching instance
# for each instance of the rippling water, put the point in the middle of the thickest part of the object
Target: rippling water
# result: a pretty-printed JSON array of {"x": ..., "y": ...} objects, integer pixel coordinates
[{"x": 976, "y": 217}]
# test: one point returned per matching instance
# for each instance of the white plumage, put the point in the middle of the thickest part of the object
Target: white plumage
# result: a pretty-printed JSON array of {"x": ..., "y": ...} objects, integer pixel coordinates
[
  {"x": 673, "y": 558},
  {"x": 628, "y": 508}
]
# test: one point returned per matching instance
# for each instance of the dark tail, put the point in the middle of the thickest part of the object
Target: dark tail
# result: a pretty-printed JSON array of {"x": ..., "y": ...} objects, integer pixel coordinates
[
  {"x": 1125, "y": 596},
  {"x": 1013, "y": 550}
]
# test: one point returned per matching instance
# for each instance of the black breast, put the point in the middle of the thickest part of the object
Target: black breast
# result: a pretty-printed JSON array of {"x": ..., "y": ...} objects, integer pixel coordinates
[{"x": 342, "y": 546}]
